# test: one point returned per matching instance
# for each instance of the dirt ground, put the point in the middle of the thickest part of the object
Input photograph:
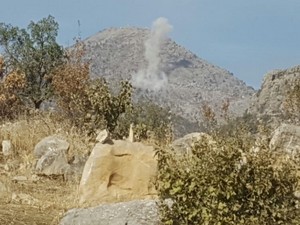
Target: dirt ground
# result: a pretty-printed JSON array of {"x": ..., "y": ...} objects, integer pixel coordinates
[{"x": 38, "y": 201}]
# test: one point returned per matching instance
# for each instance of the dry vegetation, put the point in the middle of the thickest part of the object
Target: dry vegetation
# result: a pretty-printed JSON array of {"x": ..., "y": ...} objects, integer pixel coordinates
[{"x": 47, "y": 197}]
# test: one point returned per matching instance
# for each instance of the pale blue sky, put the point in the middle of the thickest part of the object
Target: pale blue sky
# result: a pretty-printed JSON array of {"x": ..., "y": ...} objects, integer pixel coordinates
[{"x": 248, "y": 38}]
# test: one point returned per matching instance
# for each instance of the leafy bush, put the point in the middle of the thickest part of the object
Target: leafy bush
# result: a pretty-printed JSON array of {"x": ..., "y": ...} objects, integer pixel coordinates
[
  {"x": 11, "y": 86},
  {"x": 222, "y": 184},
  {"x": 89, "y": 104},
  {"x": 150, "y": 122}
]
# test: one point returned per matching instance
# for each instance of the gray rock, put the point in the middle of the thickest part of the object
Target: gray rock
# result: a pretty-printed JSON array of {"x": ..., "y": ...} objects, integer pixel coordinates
[
  {"x": 269, "y": 101},
  {"x": 53, "y": 162},
  {"x": 138, "y": 212},
  {"x": 51, "y": 143},
  {"x": 52, "y": 156},
  {"x": 75, "y": 171}
]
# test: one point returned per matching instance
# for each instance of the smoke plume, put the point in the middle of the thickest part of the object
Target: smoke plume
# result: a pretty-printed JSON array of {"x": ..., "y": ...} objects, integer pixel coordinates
[{"x": 152, "y": 77}]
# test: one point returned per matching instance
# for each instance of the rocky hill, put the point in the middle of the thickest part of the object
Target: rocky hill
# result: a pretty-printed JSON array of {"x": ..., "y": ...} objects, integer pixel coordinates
[
  {"x": 189, "y": 81},
  {"x": 269, "y": 101}
]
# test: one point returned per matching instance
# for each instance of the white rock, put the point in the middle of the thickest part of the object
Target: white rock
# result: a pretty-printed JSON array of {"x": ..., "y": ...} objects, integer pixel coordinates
[
  {"x": 7, "y": 148},
  {"x": 103, "y": 136},
  {"x": 19, "y": 178}
]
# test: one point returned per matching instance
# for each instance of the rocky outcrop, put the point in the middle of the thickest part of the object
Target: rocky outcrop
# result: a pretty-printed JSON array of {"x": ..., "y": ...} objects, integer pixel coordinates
[
  {"x": 269, "y": 100},
  {"x": 117, "y": 172},
  {"x": 138, "y": 212},
  {"x": 286, "y": 138}
]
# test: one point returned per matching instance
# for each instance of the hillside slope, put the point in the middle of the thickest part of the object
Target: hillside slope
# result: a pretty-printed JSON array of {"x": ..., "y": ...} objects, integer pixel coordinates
[{"x": 119, "y": 53}]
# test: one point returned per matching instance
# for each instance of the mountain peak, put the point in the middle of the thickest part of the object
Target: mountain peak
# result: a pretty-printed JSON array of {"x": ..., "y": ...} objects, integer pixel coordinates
[{"x": 121, "y": 53}]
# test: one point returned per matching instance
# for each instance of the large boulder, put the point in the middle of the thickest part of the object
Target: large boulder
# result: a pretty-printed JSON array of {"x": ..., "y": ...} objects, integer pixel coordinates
[
  {"x": 286, "y": 138},
  {"x": 51, "y": 154},
  {"x": 118, "y": 172},
  {"x": 185, "y": 144},
  {"x": 135, "y": 212},
  {"x": 49, "y": 143}
]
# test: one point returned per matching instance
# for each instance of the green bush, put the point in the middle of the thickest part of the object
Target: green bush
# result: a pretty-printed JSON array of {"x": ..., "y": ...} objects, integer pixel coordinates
[
  {"x": 150, "y": 122},
  {"x": 221, "y": 184},
  {"x": 35, "y": 53}
]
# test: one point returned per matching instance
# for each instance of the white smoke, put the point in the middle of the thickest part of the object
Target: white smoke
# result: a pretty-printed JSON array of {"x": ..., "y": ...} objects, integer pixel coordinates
[{"x": 152, "y": 77}]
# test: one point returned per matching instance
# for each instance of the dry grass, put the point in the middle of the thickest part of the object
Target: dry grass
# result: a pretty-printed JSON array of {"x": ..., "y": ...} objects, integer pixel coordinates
[
  {"x": 45, "y": 202},
  {"x": 27, "y": 131},
  {"x": 48, "y": 198}
]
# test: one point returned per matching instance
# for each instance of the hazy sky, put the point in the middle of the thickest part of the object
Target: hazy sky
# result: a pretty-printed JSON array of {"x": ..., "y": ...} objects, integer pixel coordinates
[{"x": 248, "y": 38}]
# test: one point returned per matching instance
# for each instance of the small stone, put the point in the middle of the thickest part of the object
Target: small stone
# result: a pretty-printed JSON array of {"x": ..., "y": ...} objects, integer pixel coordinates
[
  {"x": 7, "y": 147},
  {"x": 103, "y": 136},
  {"x": 35, "y": 177},
  {"x": 297, "y": 194},
  {"x": 24, "y": 199},
  {"x": 19, "y": 178}
]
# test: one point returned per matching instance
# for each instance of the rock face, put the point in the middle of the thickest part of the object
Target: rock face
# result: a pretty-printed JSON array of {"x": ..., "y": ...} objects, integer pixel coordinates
[
  {"x": 269, "y": 100},
  {"x": 119, "y": 54},
  {"x": 117, "y": 172},
  {"x": 51, "y": 153},
  {"x": 138, "y": 212},
  {"x": 286, "y": 138}
]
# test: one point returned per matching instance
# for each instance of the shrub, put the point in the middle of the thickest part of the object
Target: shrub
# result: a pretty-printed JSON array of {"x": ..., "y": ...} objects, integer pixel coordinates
[
  {"x": 151, "y": 122},
  {"x": 11, "y": 86},
  {"x": 70, "y": 80},
  {"x": 89, "y": 104},
  {"x": 222, "y": 184}
]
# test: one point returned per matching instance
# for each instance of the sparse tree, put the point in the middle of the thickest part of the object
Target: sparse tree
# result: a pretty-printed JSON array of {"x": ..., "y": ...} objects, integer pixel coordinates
[{"x": 34, "y": 52}]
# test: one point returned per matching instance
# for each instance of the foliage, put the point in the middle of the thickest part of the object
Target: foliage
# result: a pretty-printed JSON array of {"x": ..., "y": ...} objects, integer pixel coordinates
[
  {"x": 150, "y": 122},
  {"x": 70, "y": 80},
  {"x": 104, "y": 106},
  {"x": 34, "y": 52},
  {"x": 210, "y": 118},
  {"x": 222, "y": 183},
  {"x": 90, "y": 104},
  {"x": 10, "y": 87}
]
